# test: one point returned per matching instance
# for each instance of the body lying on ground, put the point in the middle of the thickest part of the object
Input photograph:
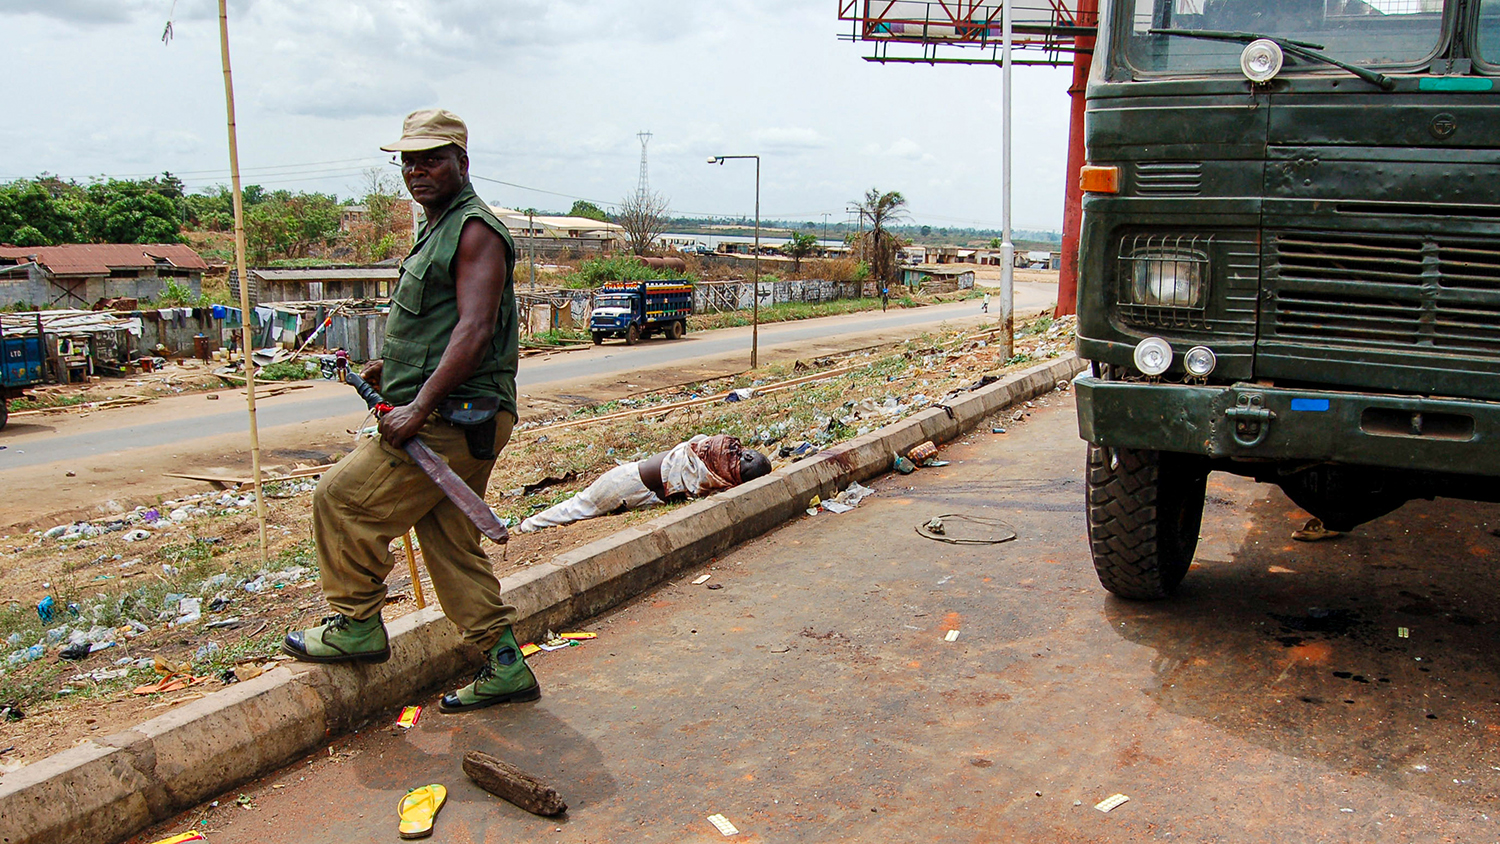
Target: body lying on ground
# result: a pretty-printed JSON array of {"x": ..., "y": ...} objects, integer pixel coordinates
[{"x": 702, "y": 465}]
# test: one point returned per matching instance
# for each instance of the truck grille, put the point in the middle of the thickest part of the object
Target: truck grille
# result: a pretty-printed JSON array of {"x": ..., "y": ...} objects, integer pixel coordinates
[
  {"x": 1357, "y": 291},
  {"x": 1168, "y": 178}
]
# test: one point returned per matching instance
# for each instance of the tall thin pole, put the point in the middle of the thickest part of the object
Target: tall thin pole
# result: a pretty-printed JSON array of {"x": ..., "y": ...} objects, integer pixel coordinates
[
  {"x": 531, "y": 241},
  {"x": 754, "y": 262},
  {"x": 239, "y": 264},
  {"x": 755, "y": 299},
  {"x": 1007, "y": 249},
  {"x": 1083, "y": 55}
]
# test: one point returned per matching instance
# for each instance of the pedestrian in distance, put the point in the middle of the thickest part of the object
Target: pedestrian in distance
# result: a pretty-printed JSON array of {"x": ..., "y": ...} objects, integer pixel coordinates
[
  {"x": 885, "y": 296},
  {"x": 985, "y": 308},
  {"x": 451, "y": 343}
]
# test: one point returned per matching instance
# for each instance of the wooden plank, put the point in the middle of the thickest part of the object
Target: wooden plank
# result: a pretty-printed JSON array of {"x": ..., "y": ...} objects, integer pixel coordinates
[
  {"x": 307, "y": 472},
  {"x": 508, "y": 782}
]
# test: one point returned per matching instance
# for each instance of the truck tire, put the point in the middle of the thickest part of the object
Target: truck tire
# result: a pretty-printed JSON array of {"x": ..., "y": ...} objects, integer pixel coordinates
[
  {"x": 598, "y": 337},
  {"x": 678, "y": 329},
  {"x": 1144, "y": 513},
  {"x": 632, "y": 335},
  {"x": 4, "y": 414}
]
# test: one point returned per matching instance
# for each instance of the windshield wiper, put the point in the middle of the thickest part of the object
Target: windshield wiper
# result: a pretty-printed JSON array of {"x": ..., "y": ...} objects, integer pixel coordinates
[{"x": 1304, "y": 49}]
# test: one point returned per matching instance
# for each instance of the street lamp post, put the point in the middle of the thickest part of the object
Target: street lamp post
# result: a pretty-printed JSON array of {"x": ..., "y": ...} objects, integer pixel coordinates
[{"x": 755, "y": 260}]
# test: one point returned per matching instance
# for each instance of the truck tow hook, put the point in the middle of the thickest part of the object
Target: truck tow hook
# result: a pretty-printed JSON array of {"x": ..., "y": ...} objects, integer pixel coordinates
[{"x": 1252, "y": 419}]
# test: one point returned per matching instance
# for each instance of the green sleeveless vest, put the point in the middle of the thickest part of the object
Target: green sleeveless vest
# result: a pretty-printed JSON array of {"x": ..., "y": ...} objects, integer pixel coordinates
[{"x": 424, "y": 312}]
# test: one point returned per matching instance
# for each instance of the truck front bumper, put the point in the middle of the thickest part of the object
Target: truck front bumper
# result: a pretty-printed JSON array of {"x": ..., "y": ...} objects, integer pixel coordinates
[{"x": 1254, "y": 423}]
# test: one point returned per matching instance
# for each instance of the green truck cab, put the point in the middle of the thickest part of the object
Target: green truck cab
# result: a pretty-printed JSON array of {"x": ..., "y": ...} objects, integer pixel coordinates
[{"x": 1289, "y": 265}]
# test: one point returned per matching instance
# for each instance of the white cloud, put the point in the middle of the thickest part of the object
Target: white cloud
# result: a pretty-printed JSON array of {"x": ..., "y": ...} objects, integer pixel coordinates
[{"x": 790, "y": 139}]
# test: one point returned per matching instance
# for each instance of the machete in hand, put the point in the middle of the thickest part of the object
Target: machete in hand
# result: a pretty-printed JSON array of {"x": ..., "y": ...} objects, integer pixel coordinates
[{"x": 446, "y": 479}]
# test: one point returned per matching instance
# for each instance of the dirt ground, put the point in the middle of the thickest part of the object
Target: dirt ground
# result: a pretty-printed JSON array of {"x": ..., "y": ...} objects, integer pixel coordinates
[{"x": 107, "y": 582}]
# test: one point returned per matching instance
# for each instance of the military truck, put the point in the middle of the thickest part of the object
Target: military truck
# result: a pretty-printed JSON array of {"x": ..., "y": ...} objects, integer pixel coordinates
[{"x": 1289, "y": 264}]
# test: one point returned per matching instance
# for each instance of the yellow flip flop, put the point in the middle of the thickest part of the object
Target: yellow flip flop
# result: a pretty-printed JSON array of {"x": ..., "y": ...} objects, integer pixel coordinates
[{"x": 419, "y": 808}]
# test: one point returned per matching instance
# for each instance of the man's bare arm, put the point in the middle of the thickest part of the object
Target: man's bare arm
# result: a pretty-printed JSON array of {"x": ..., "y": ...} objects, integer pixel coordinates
[{"x": 480, "y": 281}]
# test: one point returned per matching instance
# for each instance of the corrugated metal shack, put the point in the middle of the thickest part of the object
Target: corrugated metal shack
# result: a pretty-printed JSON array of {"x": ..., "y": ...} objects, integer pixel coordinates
[
  {"x": 324, "y": 284},
  {"x": 933, "y": 278},
  {"x": 77, "y": 275}
]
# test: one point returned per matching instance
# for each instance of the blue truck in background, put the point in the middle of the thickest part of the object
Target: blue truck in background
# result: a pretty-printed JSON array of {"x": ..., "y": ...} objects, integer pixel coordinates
[
  {"x": 637, "y": 309},
  {"x": 22, "y": 363}
]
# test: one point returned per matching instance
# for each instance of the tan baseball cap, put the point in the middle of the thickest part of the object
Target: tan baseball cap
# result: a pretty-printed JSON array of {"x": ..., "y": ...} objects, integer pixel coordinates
[{"x": 430, "y": 128}]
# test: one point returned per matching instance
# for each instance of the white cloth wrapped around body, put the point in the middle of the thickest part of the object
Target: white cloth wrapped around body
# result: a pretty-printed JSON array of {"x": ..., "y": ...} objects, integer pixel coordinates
[{"x": 682, "y": 472}]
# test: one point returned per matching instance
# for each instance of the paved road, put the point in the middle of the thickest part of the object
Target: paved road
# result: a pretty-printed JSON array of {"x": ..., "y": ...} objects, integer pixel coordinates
[
  {"x": 814, "y": 697},
  {"x": 612, "y": 359}
]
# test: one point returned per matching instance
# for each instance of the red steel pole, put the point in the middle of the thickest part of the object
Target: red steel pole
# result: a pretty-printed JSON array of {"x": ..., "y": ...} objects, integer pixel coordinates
[{"x": 1083, "y": 57}]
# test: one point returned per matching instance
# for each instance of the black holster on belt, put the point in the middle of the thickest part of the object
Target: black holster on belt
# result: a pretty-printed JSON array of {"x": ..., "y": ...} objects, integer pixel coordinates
[{"x": 477, "y": 419}]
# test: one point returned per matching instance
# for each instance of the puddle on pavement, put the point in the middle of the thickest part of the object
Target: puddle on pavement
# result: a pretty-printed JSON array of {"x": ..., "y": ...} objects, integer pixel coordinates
[{"x": 1373, "y": 653}]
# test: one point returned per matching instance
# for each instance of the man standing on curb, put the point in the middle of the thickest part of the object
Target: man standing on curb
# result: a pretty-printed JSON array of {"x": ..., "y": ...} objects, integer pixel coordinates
[{"x": 451, "y": 343}]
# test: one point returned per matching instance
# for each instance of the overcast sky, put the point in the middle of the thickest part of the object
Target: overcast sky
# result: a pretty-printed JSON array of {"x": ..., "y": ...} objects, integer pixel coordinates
[{"x": 553, "y": 91}]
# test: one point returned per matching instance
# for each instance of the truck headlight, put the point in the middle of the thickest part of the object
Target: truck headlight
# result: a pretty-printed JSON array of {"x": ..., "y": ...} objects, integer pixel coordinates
[
  {"x": 1199, "y": 361},
  {"x": 1153, "y": 356},
  {"x": 1165, "y": 271}
]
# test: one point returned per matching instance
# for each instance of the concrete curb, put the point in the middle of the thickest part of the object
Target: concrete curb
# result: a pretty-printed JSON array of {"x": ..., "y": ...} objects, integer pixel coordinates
[{"x": 107, "y": 789}]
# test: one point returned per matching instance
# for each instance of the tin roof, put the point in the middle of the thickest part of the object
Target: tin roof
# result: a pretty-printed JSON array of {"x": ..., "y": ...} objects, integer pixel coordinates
[
  {"x": 100, "y": 258},
  {"x": 329, "y": 274}
]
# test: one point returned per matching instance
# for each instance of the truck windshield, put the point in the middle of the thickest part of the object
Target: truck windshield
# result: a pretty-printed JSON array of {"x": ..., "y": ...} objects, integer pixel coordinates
[
  {"x": 613, "y": 302},
  {"x": 1368, "y": 33},
  {"x": 1489, "y": 31}
]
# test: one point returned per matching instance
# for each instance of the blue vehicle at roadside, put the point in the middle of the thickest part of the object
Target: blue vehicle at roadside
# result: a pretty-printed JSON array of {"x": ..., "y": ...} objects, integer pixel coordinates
[
  {"x": 637, "y": 309},
  {"x": 22, "y": 363}
]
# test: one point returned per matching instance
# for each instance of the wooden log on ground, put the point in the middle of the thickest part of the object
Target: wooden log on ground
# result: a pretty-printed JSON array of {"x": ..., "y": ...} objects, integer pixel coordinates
[{"x": 508, "y": 782}]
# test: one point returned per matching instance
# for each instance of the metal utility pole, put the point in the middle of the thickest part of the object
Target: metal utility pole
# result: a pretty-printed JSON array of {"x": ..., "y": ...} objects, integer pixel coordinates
[
  {"x": 1007, "y": 249},
  {"x": 531, "y": 241},
  {"x": 825, "y": 232},
  {"x": 755, "y": 259}
]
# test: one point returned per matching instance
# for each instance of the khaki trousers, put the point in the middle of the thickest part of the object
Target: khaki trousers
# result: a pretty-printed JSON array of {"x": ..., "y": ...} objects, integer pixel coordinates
[{"x": 378, "y": 492}]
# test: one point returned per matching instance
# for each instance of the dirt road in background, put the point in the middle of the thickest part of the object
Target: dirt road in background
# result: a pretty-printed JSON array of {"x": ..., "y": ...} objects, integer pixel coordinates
[{"x": 69, "y": 466}]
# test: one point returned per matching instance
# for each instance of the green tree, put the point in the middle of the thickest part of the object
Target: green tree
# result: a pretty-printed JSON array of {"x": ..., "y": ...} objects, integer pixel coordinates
[
  {"x": 878, "y": 245},
  {"x": 799, "y": 247},
  {"x": 584, "y": 208},
  {"x": 47, "y": 211},
  {"x": 287, "y": 225},
  {"x": 135, "y": 210},
  {"x": 36, "y": 213}
]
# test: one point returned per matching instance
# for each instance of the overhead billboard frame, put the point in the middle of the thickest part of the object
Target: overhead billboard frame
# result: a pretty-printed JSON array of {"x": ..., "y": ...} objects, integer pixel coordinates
[{"x": 1044, "y": 32}]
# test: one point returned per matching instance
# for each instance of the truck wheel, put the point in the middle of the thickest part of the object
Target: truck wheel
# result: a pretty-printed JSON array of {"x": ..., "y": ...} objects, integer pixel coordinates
[
  {"x": 678, "y": 329},
  {"x": 4, "y": 414},
  {"x": 598, "y": 337},
  {"x": 1144, "y": 514},
  {"x": 632, "y": 335}
]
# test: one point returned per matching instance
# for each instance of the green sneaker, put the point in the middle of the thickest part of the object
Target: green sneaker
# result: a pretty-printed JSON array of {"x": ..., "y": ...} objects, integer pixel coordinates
[
  {"x": 340, "y": 638},
  {"x": 505, "y": 678}
]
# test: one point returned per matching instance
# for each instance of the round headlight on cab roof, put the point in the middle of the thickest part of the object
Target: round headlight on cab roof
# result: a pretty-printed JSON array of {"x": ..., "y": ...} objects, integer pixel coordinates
[
  {"x": 1261, "y": 60},
  {"x": 1199, "y": 361},
  {"x": 1153, "y": 356}
]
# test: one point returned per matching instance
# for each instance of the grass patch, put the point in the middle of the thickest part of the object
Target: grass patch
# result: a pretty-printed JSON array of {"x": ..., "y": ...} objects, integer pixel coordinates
[
  {"x": 556, "y": 337},
  {"x": 287, "y": 370},
  {"x": 45, "y": 401}
]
